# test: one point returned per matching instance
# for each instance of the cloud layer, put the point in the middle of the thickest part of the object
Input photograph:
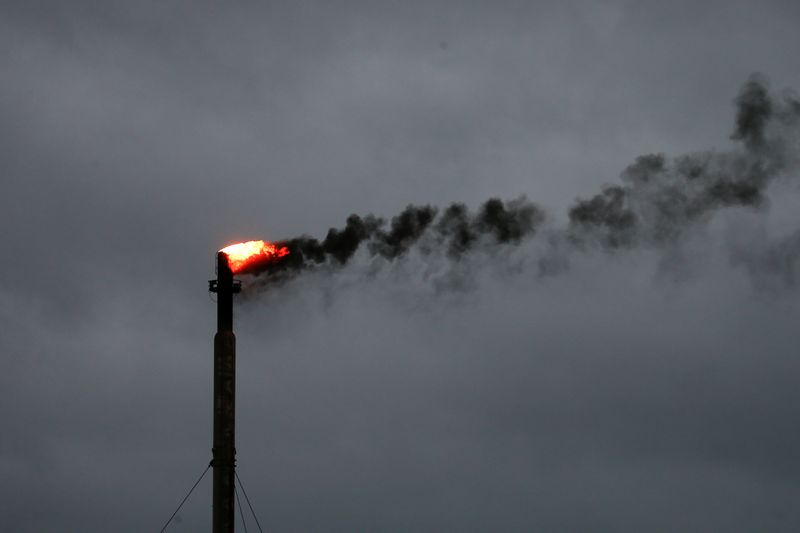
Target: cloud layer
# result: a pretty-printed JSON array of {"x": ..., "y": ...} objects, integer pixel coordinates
[{"x": 630, "y": 367}]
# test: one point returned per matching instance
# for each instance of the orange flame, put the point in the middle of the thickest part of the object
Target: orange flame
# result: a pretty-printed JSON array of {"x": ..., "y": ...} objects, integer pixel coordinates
[{"x": 244, "y": 255}]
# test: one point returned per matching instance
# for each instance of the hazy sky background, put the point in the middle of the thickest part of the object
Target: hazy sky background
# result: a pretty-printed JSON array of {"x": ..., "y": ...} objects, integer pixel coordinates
[{"x": 648, "y": 390}]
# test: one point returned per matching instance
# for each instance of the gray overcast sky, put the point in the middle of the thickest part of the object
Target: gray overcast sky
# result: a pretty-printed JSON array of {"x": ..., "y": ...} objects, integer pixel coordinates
[{"x": 650, "y": 390}]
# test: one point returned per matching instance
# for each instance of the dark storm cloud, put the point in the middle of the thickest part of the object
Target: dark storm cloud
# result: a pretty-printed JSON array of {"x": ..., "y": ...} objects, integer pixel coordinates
[{"x": 139, "y": 137}]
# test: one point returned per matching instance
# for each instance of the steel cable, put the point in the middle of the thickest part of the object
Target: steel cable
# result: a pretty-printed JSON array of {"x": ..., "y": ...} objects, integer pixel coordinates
[{"x": 187, "y": 497}]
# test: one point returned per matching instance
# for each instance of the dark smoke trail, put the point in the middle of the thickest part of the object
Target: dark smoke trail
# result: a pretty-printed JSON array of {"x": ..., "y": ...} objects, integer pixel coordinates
[
  {"x": 660, "y": 199},
  {"x": 755, "y": 109},
  {"x": 658, "y": 202},
  {"x": 456, "y": 229},
  {"x": 771, "y": 263}
]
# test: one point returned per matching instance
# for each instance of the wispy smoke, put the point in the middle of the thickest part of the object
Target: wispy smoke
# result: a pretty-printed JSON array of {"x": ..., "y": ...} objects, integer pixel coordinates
[
  {"x": 659, "y": 201},
  {"x": 771, "y": 264},
  {"x": 755, "y": 109}
]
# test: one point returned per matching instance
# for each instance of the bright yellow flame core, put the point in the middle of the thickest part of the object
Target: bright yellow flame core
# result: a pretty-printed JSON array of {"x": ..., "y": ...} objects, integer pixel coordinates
[{"x": 244, "y": 254}]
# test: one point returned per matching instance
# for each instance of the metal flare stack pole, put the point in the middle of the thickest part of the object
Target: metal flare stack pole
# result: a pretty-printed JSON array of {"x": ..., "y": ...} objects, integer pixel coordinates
[{"x": 224, "y": 450}]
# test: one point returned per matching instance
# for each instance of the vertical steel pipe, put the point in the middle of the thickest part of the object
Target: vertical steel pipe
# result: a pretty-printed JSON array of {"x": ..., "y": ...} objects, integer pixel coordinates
[{"x": 224, "y": 450}]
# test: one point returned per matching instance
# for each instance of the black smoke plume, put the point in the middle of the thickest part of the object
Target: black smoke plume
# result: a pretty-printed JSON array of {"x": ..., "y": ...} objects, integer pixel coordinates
[
  {"x": 658, "y": 201},
  {"x": 456, "y": 229},
  {"x": 755, "y": 109}
]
